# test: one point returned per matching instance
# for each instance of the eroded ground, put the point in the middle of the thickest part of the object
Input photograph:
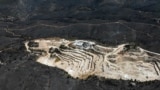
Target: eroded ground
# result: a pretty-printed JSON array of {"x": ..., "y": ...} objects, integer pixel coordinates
[{"x": 82, "y": 58}]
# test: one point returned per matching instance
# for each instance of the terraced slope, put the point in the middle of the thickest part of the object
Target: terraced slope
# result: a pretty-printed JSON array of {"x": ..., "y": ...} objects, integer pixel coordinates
[{"x": 82, "y": 58}]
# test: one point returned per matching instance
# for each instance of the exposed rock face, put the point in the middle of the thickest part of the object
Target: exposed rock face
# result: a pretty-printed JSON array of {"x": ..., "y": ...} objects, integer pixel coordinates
[{"x": 82, "y": 59}]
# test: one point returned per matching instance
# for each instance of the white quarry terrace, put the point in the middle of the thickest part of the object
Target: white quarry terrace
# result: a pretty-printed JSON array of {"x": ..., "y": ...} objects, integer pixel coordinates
[{"x": 83, "y": 58}]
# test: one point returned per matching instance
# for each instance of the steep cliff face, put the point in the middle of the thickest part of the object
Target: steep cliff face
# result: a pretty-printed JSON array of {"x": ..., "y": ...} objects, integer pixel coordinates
[{"x": 108, "y": 22}]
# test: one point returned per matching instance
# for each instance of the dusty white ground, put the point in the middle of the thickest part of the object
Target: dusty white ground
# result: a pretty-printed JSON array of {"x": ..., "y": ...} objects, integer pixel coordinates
[{"x": 82, "y": 59}]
